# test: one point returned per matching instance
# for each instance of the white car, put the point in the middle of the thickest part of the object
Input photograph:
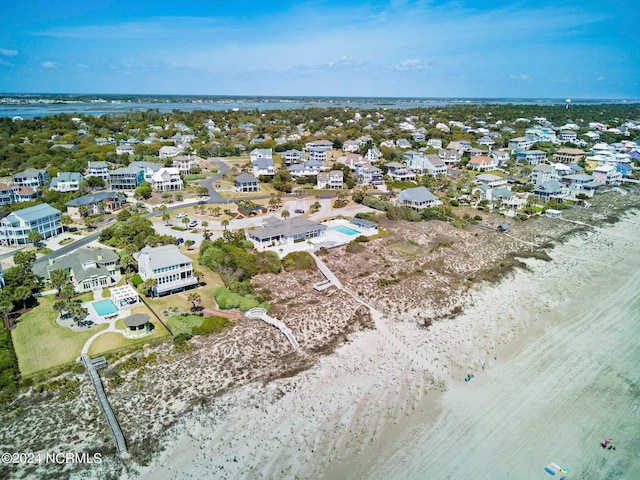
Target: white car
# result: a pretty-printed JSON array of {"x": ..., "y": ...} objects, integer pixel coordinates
[
  {"x": 181, "y": 215},
  {"x": 193, "y": 223}
]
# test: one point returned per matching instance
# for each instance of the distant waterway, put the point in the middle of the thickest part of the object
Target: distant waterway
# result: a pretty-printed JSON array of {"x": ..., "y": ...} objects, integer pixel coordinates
[{"x": 30, "y": 106}]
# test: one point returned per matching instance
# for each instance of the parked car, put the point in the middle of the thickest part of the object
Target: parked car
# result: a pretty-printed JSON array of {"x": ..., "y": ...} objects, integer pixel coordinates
[
  {"x": 179, "y": 241},
  {"x": 299, "y": 210},
  {"x": 181, "y": 215},
  {"x": 193, "y": 223}
]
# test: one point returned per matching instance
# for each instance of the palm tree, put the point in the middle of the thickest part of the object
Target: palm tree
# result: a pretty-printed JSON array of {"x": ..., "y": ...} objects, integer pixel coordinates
[
  {"x": 194, "y": 298},
  {"x": 285, "y": 214},
  {"x": 205, "y": 224},
  {"x": 66, "y": 220},
  {"x": 6, "y": 307},
  {"x": 186, "y": 221},
  {"x": 166, "y": 216},
  {"x": 216, "y": 211},
  {"x": 147, "y": 286},
  {"x": 34, "y": 237},
  {"x": 58, "y": 278},
  {"x": 225, "y": 223},
  {"x": 22, "y": 294}
]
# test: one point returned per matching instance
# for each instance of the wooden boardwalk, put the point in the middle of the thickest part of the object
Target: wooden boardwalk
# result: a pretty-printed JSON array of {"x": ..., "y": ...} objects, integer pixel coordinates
[
  {"x": 261, "y": 313},
  {"x": 91, "y": 365}
]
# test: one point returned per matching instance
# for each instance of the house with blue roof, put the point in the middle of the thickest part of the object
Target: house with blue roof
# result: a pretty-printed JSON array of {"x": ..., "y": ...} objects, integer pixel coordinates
[
  {"x": 66, "y": 182},
  {"x": 43, "y": 218}
]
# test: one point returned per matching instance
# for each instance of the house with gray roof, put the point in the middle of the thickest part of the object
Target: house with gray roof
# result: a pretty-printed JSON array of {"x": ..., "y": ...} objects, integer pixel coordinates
[
  {"x": 99, "y": 170},
  {"x": 88, "y": 268},
  {"x": 126, "y": 178},
  {"x": 551, "y": 189},
  {"x": 168, "y": 266},
  {"x": 246, "y": 183},
  {"x": 66, "y": 182},
  {"x": 94, "y": 204},
  {"x": 31, "y": 177},
  {"x": 277, "y": 231},
  {"x": 43, "y": 218},
  {"x": 258, "y": 153},
  {"x": 263, "y": 166},
  {"x": 417, "y": 198}
]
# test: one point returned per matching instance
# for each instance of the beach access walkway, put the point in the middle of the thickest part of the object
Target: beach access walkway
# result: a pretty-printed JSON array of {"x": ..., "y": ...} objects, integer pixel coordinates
[
  {"x": 377, "y": 316},
  {"x": 92, "y": 365},
  {"x": 261, "y": 314}
]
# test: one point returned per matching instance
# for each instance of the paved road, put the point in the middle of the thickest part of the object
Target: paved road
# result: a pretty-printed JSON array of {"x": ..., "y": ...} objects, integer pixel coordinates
[{"x": 215, "y": 197}]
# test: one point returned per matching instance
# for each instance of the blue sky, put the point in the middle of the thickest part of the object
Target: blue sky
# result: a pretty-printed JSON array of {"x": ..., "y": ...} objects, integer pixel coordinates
[{"x": 403, "y": 48}]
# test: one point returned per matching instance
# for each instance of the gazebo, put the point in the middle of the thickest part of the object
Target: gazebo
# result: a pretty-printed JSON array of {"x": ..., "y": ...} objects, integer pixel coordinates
[
  {"x": 124, "y": 295},
  {"x": 137, "y": 324}
]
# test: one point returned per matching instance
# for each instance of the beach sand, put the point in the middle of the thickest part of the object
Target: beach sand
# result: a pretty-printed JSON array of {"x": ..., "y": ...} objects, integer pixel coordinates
[{"x": 554, "y": 351}]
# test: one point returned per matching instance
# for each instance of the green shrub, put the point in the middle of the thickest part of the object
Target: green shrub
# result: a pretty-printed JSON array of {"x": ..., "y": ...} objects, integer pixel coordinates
[
  {"x": 136, "y": 280},
  {"x": 210, "y": 325},
  {"x": 298, "y": 261}
]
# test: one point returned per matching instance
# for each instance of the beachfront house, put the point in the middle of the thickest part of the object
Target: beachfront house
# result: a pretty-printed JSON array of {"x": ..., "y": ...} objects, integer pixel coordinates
[
  {"x": 43, "y": 218},
  {"x": 276, "y": 231},
  {"x": 171, "y": 269},
  {"x": 88, "y": 268},
  {"x": 549, "y": 190},
  {"x": 417, "y": 198}
]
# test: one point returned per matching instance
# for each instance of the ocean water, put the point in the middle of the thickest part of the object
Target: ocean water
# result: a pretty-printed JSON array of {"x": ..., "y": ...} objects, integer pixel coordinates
[{"x": 568, "y": 384}]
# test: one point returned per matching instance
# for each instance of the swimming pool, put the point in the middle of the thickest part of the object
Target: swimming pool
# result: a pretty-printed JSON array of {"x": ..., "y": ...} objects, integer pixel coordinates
[
  {"x": 344, "y": 230},
  {"x": 105, "y": 307}
]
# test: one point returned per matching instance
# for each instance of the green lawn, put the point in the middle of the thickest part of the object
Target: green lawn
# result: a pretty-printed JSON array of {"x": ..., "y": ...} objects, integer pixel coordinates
[
  {"x": 41, "y": 344},
  {"x": 116, "y": 341}
]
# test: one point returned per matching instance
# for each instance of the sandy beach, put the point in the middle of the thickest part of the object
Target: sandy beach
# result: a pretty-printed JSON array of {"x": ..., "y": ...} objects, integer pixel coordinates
[{"x": 554, "y": 350}]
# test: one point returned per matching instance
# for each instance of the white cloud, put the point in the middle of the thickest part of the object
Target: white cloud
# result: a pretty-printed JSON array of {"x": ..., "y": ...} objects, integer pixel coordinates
[
  {"x": 347, "y": 61},
  {"x": 411, "y": 64},
  {"x": 8, "y": 53},
  {"x": 49, "y": 64},
  {"x": 82, "y": 66},
  {"x": 521, "y": 76},
  {"x": 5, "y": 63}
]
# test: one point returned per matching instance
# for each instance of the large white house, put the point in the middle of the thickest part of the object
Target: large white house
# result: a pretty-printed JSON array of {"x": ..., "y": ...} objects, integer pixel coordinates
[
  {"x": 166, "y": 178},
  {"x": 169, "y": 267},
  {"x": 66, "y": 182},
  {"x": 15, "y": 227}
]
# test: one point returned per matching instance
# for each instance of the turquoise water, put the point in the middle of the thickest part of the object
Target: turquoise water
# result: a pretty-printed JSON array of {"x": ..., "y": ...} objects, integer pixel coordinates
[
  {"x": 344, "y": 230},
  {"x": 105, "y": 307}
]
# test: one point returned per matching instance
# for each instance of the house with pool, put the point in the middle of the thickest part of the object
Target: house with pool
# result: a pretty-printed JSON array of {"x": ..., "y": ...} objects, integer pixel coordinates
[
  {"x": 279, "y": 231},
  {"x": 88, "y": 268}
]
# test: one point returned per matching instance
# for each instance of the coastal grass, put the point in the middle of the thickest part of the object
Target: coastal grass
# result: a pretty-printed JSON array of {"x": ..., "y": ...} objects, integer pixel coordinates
[{"x": 41, "y": 344}]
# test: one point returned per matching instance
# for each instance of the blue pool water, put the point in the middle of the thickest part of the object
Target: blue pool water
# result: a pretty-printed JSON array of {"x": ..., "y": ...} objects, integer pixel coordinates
[
  {"x": 344, "y": 230},
  {"x": 105, "y": 307}
]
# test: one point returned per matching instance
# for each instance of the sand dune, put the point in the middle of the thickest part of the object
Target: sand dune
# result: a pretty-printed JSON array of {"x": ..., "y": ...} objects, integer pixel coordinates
[{"x": 559, "y": 346}]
